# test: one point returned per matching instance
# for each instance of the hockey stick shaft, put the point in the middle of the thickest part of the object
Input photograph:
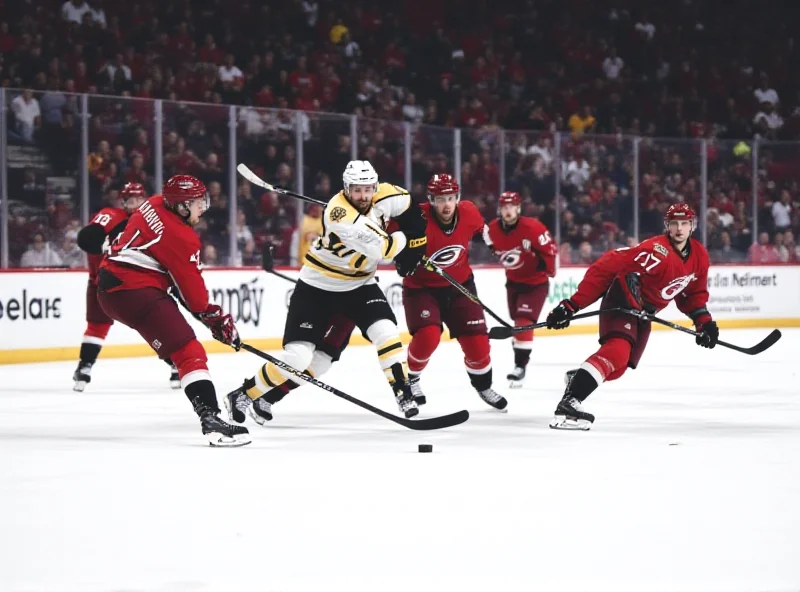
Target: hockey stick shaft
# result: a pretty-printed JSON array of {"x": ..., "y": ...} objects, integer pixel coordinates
[
  {"x": 431, "y": 266},
  {"x": 245, "y": 172},
  {"x": 761, "y": 346},
  {"x": 506, "y": 332},
  {"x": 433, "y": 423}
]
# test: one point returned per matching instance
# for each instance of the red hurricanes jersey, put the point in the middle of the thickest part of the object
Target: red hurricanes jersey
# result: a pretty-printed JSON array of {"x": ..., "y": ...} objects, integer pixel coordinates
[
  {"x": 663, "y": 273},
  {"x": 108, "y": 218},
  {"x": 527, "y": 250},
  {"x": 158, "y": 249},
  {"x": 448, "y": 251}
]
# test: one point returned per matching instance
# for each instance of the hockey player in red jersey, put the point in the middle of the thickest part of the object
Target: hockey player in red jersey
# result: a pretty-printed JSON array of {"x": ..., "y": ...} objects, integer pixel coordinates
[
  {"x": 528, "y": 253},
  {"x": 157, "y": 251},
  {"x": 94, "y": 239},
  {"x": 672, "y": 266},
  {"x": 430, "y": 302}
]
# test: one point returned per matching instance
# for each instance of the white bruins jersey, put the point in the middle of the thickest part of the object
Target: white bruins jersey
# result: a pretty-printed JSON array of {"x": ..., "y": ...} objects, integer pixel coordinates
[{"x": 352, "y": 245}]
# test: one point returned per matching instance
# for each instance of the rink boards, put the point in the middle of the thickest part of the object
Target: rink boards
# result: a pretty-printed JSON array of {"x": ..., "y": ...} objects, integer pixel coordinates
[{"x": 42, "y": 311}]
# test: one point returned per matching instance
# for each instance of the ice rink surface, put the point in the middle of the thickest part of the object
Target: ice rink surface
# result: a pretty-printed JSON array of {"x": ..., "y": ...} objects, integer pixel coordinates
[{"x": 689, "y": 480}]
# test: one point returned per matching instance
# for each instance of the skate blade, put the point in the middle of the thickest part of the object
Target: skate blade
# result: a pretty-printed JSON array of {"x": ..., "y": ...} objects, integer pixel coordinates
[
  {"x": 257, "y": 418},
  {"x": 562, "y": 422},
  {"x": 175, "y": 384},
  {"x": 79, "y": 386},
  {"x": 222, "y": 441}
]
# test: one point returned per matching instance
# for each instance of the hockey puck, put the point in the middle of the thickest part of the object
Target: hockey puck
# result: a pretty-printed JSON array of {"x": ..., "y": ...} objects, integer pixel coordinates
[{"x": 425, "y": 448}]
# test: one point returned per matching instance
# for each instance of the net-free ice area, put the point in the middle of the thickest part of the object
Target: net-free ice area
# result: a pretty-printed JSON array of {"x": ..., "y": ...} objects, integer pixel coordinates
[{"x": 689, "y": 480}]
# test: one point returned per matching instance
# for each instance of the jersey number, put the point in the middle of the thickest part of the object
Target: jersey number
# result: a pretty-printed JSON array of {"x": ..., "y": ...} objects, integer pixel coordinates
[
  {"x": 647, "y": 260},
  {"x": 102, "y": 219},
  {"x": 544, "y": 238},
  {"x": 135, "y": 243}
]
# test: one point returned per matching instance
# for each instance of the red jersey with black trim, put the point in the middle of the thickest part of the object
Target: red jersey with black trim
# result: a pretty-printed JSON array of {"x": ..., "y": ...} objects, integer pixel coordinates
[
  {"x": 108, "y": 219},
  {"x": 664, "y": 275},
  {"x": 158, "y": 249},
  {"x": 449, "y": 250},
  {"x": 526, "y": 250}
]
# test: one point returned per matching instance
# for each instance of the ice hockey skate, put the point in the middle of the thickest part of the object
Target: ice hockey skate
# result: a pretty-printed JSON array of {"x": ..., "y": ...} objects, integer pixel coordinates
[
  {"x": 516, "y": 378},
  {"x": 494, "y": 399},
  {"x": 260, "y": 411},
  {"x": 236, "y": 403},
  {"x": 416, "y": 389},
  {"x": 218, "y": 432},
  {"x": 82, "y": 377},
  {"x": 570, "y": 415}
]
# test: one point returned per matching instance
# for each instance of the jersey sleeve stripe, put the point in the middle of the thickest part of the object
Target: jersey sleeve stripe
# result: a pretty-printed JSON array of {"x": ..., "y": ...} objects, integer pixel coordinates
[{"x": 316, "y": 263}]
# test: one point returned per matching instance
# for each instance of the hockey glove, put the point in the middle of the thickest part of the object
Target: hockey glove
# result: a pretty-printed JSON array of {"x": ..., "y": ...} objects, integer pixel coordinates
[
  {"x": 407, "y": 260},
  {"x": 267, "y": 262},
  {"x": 709, "y": 335},
  {"x": 560, "y": 316},
  {"x": 221, "y": 325}
]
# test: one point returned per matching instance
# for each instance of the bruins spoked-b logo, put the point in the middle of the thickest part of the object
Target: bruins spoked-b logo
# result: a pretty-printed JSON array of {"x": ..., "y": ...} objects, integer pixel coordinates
[{"x": 337, "y": 213}]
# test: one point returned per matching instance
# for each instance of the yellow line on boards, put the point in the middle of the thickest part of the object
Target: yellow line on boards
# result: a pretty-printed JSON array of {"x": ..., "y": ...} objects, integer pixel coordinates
[{"x": 61, "y": 354}]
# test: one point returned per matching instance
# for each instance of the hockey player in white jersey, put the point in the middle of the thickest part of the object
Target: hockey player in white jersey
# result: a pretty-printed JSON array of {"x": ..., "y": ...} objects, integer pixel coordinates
[{"x": 338, "y": 277}]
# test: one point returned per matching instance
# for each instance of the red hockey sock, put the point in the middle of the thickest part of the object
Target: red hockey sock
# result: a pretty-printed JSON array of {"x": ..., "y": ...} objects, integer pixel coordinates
[
  {"x": 191, "y": 363},
  {"x": 422, "y": 346},
  {"x": 478, "y": 360},
  {"x": 611, "y": 360},
  {"x": 96, "y": 333}
]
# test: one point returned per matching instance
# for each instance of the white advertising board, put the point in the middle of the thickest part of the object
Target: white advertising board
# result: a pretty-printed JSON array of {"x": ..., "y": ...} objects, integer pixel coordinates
[{"x": 45, "y": 309}]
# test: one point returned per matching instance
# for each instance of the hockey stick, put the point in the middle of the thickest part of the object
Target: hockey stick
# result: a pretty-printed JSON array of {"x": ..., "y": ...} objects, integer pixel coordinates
[
  {"x": 506, "y": 332},
  {"x": 761, "y": 346},
  {"x": 432, "y": 423},
  {"x": 245, "y": 172},
  {"x": 431, "y": 266},
  {"x": 268, "y": 265}
]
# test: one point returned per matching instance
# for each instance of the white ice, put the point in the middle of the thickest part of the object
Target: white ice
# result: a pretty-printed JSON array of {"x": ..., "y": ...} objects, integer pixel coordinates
[{"x": 689, "y": 480}]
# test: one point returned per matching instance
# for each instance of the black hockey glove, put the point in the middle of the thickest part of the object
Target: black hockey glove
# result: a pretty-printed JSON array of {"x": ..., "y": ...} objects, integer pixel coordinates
[
  {"x": 709, "y": 335},
  {"x": 407, "y": 260},
  {"x": 560, "y": 316}
]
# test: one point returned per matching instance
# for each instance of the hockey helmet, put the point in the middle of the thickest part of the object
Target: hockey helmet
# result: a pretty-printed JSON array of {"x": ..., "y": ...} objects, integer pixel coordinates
[
  {"x": 359, "y": 172},
  {"x": 443, "y": 185},
  {"x": 680, "y": 211},
  {"x": 181, "y": 189},
  {"x": 509, "y": 198}
]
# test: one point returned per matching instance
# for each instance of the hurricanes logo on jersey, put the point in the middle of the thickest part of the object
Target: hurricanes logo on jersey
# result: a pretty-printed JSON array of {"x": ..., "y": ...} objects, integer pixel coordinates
[
  {"x": 448, "y": 256},
  {"x": 677, "y": 286},
  {"x": 511, "y": 259},
  {"x": 338, "y": 213}
]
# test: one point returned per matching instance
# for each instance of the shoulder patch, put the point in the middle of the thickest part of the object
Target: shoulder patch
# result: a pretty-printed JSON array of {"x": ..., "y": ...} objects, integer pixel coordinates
[
  {"x": 337, "y": 214},
  {"x": 659, "y": 248}
]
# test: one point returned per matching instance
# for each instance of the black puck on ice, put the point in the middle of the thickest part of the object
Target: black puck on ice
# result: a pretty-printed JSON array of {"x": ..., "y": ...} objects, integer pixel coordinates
[{"x": 425, "y": 448}]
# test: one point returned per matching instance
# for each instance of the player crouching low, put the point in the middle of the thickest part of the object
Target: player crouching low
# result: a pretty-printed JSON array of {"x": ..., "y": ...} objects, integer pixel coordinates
[
  {"x": 337, "y": 280},
  {"x": 431, "y": 302},
  {"x": 159, "y": 250},
  {"x": 528, "y": 253},
  {"x": 94, "y": 239},
  {"x": 672, "y": 266}
]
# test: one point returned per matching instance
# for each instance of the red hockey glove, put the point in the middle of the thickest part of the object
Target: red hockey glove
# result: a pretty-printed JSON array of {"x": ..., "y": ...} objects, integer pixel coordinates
[
  {"x": 221, "y": 325},
  {"x": 560, "y": 316}
]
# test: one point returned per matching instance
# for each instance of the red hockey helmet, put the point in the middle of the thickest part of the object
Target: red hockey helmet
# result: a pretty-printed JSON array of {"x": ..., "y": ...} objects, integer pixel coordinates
[
  {"x": 443, "y": 185},
  {"x": 680, "y": 211},
  {"x": 132, "y": 190},
  {"x": 182, "y": 188},
  {"x": 509, "y": 198}
]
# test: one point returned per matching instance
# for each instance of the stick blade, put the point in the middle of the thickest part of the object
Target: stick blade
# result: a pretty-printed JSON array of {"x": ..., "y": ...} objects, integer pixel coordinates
[
  {"x": 767, "y": 342},
  {"x": 500, "y": 333},
  {"x": 435, "y": 423},
  {"x": 245, "y": 172}
]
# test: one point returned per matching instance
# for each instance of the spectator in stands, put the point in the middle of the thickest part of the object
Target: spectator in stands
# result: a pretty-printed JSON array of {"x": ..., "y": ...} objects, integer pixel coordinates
[
  {"x": 210, "y": 257},
  {"x": 794, "y": 249},
  {"x": 612, "y": 65},
  {"x": 762, "y": 252},
  {"x": 781, "y": 249},
  {"x": 768, "y": 122},
  {"x": 782, "y": 211},
  {"x": 40, "y": 253},
  {"x": 70, "y": 253},
  {"x": 725, "y": 253},
  {"x": 582, "y": 122},
  {"x": 74, "y": 11},
  {"x": 310, "y": 229},
  {"x": 28, "y": 115},
  {"x": 765, "y": 94}
]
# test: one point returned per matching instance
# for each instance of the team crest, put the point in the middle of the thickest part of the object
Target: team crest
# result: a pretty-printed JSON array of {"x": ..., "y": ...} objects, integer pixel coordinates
[
  {"x": 448, "y": 256},
  {"x": 511, "y": 259},
  {"x": 526, "y": 244},
  {"x": 677, "y": 286},
  {"x": 337, "y": 213},
  {"x": 661, "y": 249}
]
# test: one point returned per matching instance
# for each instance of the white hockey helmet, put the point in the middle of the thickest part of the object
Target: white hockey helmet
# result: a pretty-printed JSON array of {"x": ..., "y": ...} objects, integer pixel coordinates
[{"x": 359, "y": 172}]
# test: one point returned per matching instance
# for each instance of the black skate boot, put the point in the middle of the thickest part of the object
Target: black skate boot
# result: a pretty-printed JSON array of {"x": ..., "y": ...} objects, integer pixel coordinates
[
  {"x": 416, "y": 389},
  {"x": 82, "y": 377},
  {"x": 494, "y": 399},
  {"x": 571, "y": 416},
  {"x": 236, "y": 402},
  {"x": 516, "y": 378},
  {"x": 218, "y": 432},
  {"x": 174, "y": 378},
  {"x": 568, "y": 376},
  {"x": 405, "y": 400},
  {"x": 261, "y": 411}
]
